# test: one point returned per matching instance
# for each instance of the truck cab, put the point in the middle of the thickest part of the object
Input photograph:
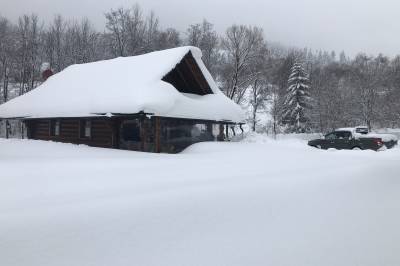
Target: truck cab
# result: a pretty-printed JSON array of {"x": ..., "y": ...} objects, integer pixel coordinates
[{"x": 338, "y": 139}]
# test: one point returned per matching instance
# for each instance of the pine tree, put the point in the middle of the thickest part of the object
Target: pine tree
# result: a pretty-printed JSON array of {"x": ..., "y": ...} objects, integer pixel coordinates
[{"x": 297, "y": 101}]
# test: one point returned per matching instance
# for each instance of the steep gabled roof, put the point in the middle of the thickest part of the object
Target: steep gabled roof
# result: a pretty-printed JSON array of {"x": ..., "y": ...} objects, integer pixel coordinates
[{"x": 130, "y": 85}]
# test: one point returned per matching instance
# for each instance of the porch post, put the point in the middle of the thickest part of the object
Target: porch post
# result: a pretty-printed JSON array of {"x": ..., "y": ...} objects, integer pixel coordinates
[
  {"x": 157, "y": 135},
  {"x": 115, "y": 124},
  {"x": 7, "y": 128},
  {"x": 221, "y": 136}
]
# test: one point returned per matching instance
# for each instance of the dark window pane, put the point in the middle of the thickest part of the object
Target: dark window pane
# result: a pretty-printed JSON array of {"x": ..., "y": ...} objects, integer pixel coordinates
[
  {"x": 131, "y": 132},
  {"x": 330, "y": 136},
  {"x": 343, "y": 134},
  {"x": 179, "y": 134},
  {"x": 347, "y": 135},
  {"x": 362, "y": 130}
]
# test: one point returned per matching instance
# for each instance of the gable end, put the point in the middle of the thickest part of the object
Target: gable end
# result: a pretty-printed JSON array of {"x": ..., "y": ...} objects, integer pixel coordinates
[{"x": 187, "y": 77}]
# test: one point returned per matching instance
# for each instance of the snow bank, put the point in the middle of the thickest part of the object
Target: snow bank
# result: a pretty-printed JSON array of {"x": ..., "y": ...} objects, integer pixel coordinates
[
  {"x": 259, "y": 203},
  {"x": 123, "y": 85},
  {"x": 253, "y": 137}
]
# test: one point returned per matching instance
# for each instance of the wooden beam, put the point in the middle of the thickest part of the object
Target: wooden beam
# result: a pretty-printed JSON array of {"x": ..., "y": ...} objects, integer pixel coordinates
[
  {"x": 157, "y": 134},
  {"x": 196, "y": 80},
  {"x": 182, "y": 76},
  {"x": 115, "y": 133},
  {"x": 199, "y": 79},
  {"x": 143, "y": 135},
  {"x": 221, "y": 136}
]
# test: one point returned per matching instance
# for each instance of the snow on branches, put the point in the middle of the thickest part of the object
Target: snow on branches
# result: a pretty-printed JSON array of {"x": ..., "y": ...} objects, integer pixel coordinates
[{"x": 297, "y": 100}]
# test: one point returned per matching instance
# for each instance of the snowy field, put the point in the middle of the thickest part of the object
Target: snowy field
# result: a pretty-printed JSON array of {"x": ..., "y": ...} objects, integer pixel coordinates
[{"x": 257, "y": 202}]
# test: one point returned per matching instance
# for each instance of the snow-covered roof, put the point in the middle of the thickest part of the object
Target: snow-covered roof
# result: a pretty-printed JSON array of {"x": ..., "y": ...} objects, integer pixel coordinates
[
  {"x": 346, "y": 129},
  {"x": 351, "y": 128},
  {"x": 125, "y": 85}
]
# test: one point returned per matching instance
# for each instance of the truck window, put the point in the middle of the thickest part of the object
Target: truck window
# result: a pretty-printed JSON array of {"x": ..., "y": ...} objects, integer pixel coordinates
[
  {"x": 343, "y": 134},
  {"x": 347, "y": 135},
  {"x": 330, "y": 136},
  {"x": 362, "y": 130}
]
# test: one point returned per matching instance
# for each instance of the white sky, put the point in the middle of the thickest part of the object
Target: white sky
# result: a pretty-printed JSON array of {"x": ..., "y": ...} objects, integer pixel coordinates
[{"x": 371, "y": 26}]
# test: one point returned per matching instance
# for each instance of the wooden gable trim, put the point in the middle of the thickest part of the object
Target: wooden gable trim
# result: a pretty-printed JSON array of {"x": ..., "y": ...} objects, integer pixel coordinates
[
  {"x": 182, "y": 76},
  {"x": 197, "y": 73}
]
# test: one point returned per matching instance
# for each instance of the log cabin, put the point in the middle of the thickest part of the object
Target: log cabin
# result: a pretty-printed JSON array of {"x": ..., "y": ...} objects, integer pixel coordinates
[{"x": 162, "y": 101}]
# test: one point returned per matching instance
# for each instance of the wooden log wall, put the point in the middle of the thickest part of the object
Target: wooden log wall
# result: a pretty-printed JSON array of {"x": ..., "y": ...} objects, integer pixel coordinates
[
  {"x": 102, "y": 134},
  {"x": 107, "y": 133}
]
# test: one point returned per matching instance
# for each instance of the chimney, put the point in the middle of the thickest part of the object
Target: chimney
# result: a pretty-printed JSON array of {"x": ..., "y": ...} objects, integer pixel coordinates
[{"x": 46, "y": 71}]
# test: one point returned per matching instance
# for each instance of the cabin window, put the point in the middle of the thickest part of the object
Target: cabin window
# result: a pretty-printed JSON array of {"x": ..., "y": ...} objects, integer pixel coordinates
[
  {"x": 85, "y": 129},
  {"x": 131, "y": 131},
  {"x": 176, "y": 134},
  {"x": 186, "y": 130},
  {"x": 55, "y": 127}
]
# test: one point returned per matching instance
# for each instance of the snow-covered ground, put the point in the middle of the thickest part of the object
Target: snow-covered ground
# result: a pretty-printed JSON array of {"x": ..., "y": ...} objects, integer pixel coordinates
[{"x": 257, "y": 202}]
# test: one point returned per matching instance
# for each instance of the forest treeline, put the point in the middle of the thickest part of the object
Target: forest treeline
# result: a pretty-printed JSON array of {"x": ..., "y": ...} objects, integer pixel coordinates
[{"x": 297, "y": 90}]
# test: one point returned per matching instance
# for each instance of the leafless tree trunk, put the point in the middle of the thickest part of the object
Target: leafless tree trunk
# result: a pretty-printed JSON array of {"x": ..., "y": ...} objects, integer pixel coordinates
[{"x": 241, "y": 45}]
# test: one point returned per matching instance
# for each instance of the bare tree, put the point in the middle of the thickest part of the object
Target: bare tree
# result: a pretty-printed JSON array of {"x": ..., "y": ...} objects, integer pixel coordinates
[
  {"x": 205, "y": 37},
  {"x": 115, "y": 25},
  {"x": 82, "y": 42},
  {"x": 367, "y": 77},
  {"x": 28, "y": 40},
  {"x": 241, "y": 46},
  {"x": 54, "y": 42},
  {"x": 168, "y": 38},
  {"x": 260, "y": 87},
  {"x": 259, "y": 97},
  {"x": 6, "y": 50},
  {"x": 194, "y": 35},
  {"x": 130, "y": 33},
  {"x": 152, "y": 32},
  {"x": 275, "y": 109}
]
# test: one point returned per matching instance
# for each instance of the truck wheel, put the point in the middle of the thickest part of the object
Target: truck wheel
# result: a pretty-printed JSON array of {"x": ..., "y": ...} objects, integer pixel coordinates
[
  {"x": 318, "y": 147},
  {"x": 356, "y": 149}
]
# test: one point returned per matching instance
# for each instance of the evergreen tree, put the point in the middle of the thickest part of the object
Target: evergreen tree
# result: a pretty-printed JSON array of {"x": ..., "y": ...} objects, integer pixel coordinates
[{"x": 297, "y": 101}]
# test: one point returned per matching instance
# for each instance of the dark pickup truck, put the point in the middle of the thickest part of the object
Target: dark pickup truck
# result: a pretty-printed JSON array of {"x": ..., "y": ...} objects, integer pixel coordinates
[{"x": 353, "y": 139}]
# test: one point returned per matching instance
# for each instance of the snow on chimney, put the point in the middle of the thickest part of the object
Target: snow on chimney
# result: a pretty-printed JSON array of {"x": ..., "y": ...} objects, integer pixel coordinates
[{"x": 46, "y": 71}]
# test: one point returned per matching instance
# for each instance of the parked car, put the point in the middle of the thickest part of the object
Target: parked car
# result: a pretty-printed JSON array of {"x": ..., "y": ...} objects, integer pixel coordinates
[{"x": 355, "y": 139}]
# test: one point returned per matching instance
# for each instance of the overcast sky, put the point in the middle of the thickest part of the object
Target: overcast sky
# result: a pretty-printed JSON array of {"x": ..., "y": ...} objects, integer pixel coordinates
[{"x": 371, "y": 26}]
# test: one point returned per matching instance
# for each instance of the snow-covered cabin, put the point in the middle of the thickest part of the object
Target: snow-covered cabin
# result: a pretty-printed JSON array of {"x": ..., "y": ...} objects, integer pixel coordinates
[{"x": 159, "y": 102}]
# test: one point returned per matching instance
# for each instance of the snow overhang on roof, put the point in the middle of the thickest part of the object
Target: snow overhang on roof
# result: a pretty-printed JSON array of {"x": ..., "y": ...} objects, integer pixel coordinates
[{"x": 125, "y": 85}]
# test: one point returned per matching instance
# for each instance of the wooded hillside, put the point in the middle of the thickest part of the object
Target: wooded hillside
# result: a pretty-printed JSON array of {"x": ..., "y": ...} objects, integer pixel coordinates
[{"x": 251, "y": 69}]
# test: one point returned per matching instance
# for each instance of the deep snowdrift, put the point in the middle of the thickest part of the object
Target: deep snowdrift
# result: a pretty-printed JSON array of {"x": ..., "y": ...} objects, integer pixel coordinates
[{"x": 270, "y": 203}]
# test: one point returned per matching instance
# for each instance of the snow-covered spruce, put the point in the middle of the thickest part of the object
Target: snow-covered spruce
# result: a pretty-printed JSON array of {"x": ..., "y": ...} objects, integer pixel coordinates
[{"x": 297, "y": 100}]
